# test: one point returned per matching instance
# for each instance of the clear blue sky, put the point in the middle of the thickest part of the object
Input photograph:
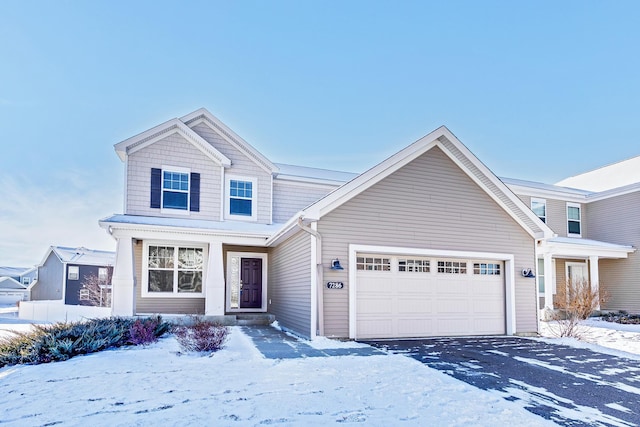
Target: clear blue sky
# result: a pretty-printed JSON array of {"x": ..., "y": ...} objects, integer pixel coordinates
[{"x": 537, "y": 90}]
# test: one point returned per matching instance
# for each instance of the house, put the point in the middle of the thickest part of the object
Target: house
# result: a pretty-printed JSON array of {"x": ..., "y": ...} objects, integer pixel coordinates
[
  {"x": 428, "y": 242},
  {"x": 23, "y": 275},
  {"x": 14, "y": 283},
  {"x": 64, "y": 275}
]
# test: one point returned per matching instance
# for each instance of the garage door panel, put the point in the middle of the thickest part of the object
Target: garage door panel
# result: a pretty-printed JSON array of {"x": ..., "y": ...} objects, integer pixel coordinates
[{"x": 428, "y": 303}]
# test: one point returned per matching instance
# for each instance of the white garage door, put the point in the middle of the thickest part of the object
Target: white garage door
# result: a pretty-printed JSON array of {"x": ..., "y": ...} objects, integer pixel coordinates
[
  {"x": 8, "y": 297},
  {"x": 407, "y": 296}
]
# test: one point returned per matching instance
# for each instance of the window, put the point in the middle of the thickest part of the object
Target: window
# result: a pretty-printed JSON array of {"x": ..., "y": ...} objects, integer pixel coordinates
[
  {"x": 452, "y": 267},
  {"x": 84, "y": 294},
  {"x": 73, "y": 272},
  {"x": 241, "y": 196},
  {"x": 573, "y": 219},
  {"x": 486, "y": 269},
  {"x": 26, "y": 280},
  {"x": 175, "y": 188},
  {"x": 174, "y": 270},
  {"x": 414, "y": 265},
  {"x": 540, "y": 276},
  {"x": 373, "y": 264},
  {"x": 102, "y": 274},
  {"x": 539, "y": 207}
]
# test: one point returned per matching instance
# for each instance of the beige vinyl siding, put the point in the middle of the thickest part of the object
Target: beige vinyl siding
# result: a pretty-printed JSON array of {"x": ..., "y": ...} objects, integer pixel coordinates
[
  {"x": 174, "y": 151},
  {"x": 289, "y": 198},
  {"x": 290, "y": 283},
  {"x": 161, "y": 305},
  {"x": 430, "y": 203},
  {"x": 242, "y": 166},
  {"x": 557, "y": 214},
  {"x": 50, "y": 277},
  {"x": 617, "y": 220}
]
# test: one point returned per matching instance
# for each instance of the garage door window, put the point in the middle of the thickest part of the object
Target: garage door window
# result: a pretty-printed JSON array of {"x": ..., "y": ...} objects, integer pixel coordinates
[
  {"x": 486, "y": 269},
  {"x": 452, "y": 267},
  {"x": 373, "y": 264},
  {"x": 414, "y": 265}
]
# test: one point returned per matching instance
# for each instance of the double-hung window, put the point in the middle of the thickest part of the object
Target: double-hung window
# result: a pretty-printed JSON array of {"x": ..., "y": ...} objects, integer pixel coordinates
[
  {"x": 73, "y": 272},
  {"x": 175, "y": 190},
  {"x": 539, "y": 207},
  {"x": 574, "y": 220},
  {"x": 174, "y": 270},
  {"x": 241, "y": 198}
]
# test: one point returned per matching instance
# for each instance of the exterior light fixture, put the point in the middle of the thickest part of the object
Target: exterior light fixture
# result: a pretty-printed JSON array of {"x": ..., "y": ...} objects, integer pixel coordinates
[{"x": 335, "y": 264}]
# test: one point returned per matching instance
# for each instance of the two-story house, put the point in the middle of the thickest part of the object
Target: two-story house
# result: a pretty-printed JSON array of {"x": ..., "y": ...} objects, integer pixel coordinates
[{"x": 428, "y": 242}]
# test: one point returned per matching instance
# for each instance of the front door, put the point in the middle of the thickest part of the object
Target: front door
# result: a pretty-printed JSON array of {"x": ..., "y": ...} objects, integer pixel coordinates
[{"x": 251, "y": 283}]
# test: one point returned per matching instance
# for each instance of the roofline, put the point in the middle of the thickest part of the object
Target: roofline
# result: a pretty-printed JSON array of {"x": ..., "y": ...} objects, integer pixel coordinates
[
  {"x": 144, "y": 139},
  {"x": 202, "y": 115}
]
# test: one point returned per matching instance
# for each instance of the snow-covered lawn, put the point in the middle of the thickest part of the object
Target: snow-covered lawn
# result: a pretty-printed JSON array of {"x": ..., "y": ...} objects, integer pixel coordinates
[{"x": 237, "y": 386}]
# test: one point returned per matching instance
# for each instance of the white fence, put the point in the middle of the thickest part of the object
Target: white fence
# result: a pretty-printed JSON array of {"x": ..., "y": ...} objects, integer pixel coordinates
[{"x": 55, "y": 311}]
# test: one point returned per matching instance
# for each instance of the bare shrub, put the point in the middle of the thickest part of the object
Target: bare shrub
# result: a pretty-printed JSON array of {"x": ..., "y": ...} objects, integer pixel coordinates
[
  {"x": 575, "y": 301},
  {"x": 202, "y": 336}
]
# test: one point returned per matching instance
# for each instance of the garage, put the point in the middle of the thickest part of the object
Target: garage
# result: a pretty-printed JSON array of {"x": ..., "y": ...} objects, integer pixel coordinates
[{"x": 403, "y": 296}]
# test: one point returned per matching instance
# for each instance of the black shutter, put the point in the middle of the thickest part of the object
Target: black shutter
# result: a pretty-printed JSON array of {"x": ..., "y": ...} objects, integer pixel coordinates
[
  {"x": 194, "y": 192},
  {"x": 156, "y": 187}
]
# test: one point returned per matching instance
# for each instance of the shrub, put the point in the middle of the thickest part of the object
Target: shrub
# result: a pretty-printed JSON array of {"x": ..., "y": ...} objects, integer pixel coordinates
[
  {"x": 575, "y": 301},
  {"x": 61, "y": 341},
  {"x": 202, "y": 336}
]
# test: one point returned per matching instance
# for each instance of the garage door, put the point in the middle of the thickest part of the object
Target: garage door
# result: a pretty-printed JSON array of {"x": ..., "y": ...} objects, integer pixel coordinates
[{"x": 408, "y": 296}]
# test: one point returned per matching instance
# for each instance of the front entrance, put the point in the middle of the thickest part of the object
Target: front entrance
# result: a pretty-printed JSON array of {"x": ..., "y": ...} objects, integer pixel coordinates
[{"x": 251, "y": 283}]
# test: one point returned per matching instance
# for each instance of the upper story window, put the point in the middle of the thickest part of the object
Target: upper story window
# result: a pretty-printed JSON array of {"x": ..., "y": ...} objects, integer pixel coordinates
[
  {"x": 26, "y": 280},
  {"x": 102, "y": 274},
  {"x": 539, "y": 207},
  {"x": 175, "y": 189},
  {"x": 73, "y": 272},
  {"x": 241, "y": 198},
  {"x": 574, "y": 219}
]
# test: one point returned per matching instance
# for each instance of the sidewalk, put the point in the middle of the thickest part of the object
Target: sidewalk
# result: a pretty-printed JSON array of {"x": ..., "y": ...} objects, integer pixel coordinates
[{"x": 275, "y": 344}]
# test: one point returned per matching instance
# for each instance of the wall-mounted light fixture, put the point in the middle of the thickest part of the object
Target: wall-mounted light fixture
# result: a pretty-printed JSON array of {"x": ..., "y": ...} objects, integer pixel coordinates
[
  {"x": 335, "y": 264},
  {"x": 527, "y": 272}
]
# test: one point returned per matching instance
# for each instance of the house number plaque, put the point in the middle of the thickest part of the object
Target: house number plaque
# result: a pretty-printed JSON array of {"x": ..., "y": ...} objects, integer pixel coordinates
[{"x": 335, "y": 285}]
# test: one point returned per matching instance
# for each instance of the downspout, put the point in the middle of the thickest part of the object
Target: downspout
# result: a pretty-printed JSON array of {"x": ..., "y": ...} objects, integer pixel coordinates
[{"x": 319, "y": 276}]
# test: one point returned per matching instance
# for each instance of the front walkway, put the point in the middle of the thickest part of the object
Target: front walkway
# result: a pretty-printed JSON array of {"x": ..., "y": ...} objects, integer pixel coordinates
[
  {"x": 275, "y": 344},
  {"x": 567, "y": 385}
]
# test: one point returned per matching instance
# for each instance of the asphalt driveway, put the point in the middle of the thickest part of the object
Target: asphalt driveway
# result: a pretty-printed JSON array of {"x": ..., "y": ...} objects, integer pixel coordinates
[{"x": 570, "y": 386}]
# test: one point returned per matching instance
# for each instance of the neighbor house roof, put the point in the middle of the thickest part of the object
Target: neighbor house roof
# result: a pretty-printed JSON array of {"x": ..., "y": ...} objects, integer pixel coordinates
[
  {"x": 81, "y": 256},
  {"x": 11, "y": 283},
  {"x": 15, "y": 271},
  {"x": 315, "y": 175},
  {"x": 615, "y": 175}
]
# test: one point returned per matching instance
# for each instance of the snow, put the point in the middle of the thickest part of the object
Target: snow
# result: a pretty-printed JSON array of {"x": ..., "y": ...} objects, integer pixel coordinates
[{"x": 238, "y": 386}]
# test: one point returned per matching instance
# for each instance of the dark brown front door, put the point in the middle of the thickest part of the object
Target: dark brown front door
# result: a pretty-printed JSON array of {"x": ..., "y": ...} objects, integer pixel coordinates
[{"x": 251, "y": 280}]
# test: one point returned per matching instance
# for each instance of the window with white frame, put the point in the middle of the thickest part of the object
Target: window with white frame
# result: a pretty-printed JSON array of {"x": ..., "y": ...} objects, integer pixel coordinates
[
  {"x": 452, "y": 267},
  {"x": 175, "y": 189},
  {"x": 102, "y": 274},
  {"x": 539, "y": 207},
  {"x": 73, "y": 272},
  {"x": 26, "y": 280},
  {"x": 241, "y": 198},
  {"x": 574, "y": 219},
  {"x": 373, "y": 264},
  {"x": 414, "y": 265},
  {"x": 486, "y": 269},
  {"x": 174, "y": 270}
]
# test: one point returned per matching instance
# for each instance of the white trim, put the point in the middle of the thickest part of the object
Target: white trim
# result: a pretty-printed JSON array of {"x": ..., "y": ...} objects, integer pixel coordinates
[
  {"x": 222, "y": 194},
  {"x": 585, "y": 265},
  {"x": 177, "y": 169},
  {"x": 265, "y": 271},
  {"x": 314, "y": 307},
  {"x": 144, "y": 280},
  {"x": 509, "y": 275},
  {"x": 254, "y": 198},
  {"x": 573, "y": 205}
]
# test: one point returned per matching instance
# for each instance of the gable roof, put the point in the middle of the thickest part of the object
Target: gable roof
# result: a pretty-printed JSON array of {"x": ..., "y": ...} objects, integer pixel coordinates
[
  {"x": 15, "y": 271},
  {"x": 81, "y": 256},
  {"x": 202, "y": 115},
  {"x": 615, "y": 175},
  {"x": 173, "y": 126},
  {"x": 458, "y": 153},
  {"x": 11, "y": 283}
]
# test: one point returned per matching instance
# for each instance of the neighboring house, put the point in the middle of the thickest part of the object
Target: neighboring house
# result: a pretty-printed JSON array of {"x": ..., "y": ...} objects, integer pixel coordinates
[
  {"x": 64, "y": 272},
  {"x": 12, "y": 291},
  {"x": 429, "y": 242},
  {"x": 23, "y": 275}
]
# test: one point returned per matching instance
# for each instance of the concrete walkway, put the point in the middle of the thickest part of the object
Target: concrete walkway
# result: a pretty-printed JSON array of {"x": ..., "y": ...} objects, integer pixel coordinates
[{"x": 275, "y": 344}]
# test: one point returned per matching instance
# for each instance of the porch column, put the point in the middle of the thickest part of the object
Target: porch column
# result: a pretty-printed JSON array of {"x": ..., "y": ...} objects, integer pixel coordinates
[
  {"x": 594, "y": 275},
  {"x": 123, "y": 284},
  {"x": 214, "y": 282},
  {"x": 549, "y": 281}
]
